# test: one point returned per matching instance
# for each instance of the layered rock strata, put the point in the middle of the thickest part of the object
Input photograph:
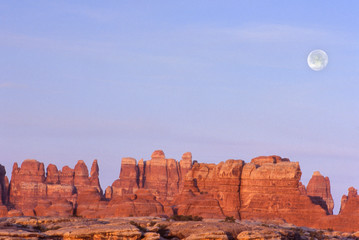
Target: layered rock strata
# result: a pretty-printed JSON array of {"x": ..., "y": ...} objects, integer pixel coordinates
[
  {"x": 58, "y": 193},
  {"x": 270, "y": 189},
  {"x": 211, "y": 190},
  {"x": 318, "y": 190},
  {"x": 267, "y": 188}
]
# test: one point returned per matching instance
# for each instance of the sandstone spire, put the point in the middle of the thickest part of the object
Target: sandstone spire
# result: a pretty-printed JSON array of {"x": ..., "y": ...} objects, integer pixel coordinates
[{"x": 319, "y": 190}]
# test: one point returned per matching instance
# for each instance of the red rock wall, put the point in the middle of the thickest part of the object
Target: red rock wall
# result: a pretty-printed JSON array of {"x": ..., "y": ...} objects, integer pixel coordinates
[
  {"x": 160, "y": 176},
  {"x": 266, "y": 188},
  {"x": 58, "y": 193},
  {"x": 218, "y": 184},
  {"x": 348, "y": 218},
  {"x": 270, "y": 189}
]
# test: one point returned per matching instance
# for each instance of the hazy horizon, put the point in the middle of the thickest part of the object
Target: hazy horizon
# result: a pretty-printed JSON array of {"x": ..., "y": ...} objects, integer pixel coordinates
[{"x": 106, "y": 80}]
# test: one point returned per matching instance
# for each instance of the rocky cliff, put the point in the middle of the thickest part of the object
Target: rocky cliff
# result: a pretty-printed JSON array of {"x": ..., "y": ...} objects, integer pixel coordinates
[
  {"x": 58, "y": 193},
  {"x": 270, "y": 189},
  {"x": 4, "y": 185},
  {"x": 318, "y": 190},
  {"x": 266, "y": 188}
]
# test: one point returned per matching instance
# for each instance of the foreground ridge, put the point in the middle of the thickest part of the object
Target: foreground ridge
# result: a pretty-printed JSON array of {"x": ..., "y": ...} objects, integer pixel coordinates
[
  {"x": 148, "y": 228},
  {"x": 267, "y": 188}
]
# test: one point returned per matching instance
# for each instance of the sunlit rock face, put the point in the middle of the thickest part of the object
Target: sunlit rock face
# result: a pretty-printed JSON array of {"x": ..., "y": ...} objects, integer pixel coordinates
[
  {"x": 58, "y": 193},
  {"x": 215, "y": 186},
  {"x": 270, "y": 189},
  {"x": 267, "y": 188},
  {"x": 162, "y": 178},
  {"x": 318, "y": 190},
  {"x": 27, "y": 184}
]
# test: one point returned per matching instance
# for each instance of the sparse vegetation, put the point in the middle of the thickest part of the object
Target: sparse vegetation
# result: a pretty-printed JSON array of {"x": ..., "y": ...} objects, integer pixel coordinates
[
  {"x": 186, "y": 218},
  {"x": 230, "y": 219}
]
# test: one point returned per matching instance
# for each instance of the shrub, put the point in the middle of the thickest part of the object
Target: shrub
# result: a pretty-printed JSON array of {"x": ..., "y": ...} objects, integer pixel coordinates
[
  {"x": 230, "y": 219},
  {"x": 186, "y": 218}
]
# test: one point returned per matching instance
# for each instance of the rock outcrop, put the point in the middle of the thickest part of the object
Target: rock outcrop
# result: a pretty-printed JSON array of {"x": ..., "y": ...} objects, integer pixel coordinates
[
  {"x": 318, "y": 190},
  {"x": 270, "y": 189},
  {"x": 160, "y": 177},
  {"x": 58, "y": 193},
  {"x": 211, "y": 190},
  {"x": 267, "y": 188},
  {"x": 348, "y": 218},
  {"x": 27, "y": 185},
  {"x": 350, "y": 203},
  {"x": 89, "y": 192},
  {"x": 156, "y": 229},
  {"x": 4, "y": 185}
]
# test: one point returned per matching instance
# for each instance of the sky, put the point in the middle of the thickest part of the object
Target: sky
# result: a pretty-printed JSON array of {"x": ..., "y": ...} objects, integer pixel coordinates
[{"x": 221, "y": 79}]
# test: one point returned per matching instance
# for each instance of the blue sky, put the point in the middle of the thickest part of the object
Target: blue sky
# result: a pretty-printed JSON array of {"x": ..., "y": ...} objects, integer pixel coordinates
[{"x": 222, "y": 79}]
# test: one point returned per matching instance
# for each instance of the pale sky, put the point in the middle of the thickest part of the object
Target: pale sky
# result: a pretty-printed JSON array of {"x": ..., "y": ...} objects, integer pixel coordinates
[{"x": 222, "y": 79}]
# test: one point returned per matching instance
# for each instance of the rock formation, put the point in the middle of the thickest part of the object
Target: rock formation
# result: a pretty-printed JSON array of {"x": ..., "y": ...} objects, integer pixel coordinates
[
  {"x": 4, "y": 184},
  {"x": 211, "y": 190},
  {"x": 58, "y": 193},
  {"x": 156, "y": 229},
  {"x": 270, "y": 189},
  {"x": 318, "y": 190},
  {"x": 348, "y": 218},
  {"x": 267, "y": 188},
  {"x": 89, "y": 192},
  {"x": 129, "y": 178},
  {"x": 161, "y": 176},
  {"x": 27, "y": 185}
]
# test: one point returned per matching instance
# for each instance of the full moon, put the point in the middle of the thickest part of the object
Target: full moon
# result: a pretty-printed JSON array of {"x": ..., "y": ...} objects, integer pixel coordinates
[{"x": 317, "y": 60}]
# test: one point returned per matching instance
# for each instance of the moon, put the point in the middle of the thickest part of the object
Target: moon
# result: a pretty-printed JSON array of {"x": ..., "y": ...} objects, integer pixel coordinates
[{"x": 317, "y": 60}]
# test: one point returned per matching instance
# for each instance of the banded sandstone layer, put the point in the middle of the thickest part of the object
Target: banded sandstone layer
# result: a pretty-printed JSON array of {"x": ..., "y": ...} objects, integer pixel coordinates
[{"x": 267, "y": 188}]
